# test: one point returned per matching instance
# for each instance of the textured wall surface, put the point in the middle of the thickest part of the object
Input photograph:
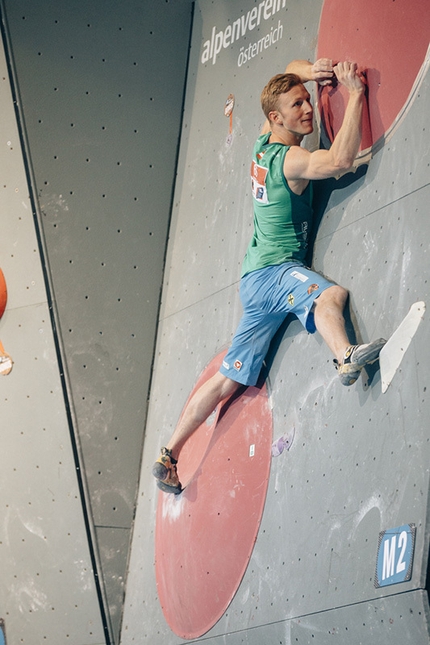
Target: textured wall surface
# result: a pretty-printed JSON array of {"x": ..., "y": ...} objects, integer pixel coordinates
[
  {"x": 101, "y": 90},
  {"x": 359, "y": 461}
]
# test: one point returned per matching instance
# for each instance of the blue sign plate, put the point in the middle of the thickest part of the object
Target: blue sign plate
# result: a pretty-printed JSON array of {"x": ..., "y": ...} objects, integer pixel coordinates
[{"x": 395, "y": 555}]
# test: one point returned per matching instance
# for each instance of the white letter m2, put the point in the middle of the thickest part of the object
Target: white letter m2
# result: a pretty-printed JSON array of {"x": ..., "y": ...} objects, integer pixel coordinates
[{"x": 389, "y": 557}]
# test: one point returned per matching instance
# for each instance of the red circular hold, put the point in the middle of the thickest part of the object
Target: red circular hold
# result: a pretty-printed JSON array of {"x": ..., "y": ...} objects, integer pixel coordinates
[
  {"x": 205, "y": 536},
  {"x": 389, "y": 40},
  {"x": 3, "y": 293}
]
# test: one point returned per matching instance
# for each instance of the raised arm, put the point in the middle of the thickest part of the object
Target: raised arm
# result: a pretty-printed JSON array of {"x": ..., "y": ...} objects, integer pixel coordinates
[
  {"x": 321, "y": 71},
  {"x": 302, "y": 164}
]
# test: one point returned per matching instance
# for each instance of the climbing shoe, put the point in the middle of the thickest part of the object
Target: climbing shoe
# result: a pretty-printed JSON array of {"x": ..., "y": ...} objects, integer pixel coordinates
[
  {"x": 165, "y": 472},
  {"x": 355, "y": 358}
]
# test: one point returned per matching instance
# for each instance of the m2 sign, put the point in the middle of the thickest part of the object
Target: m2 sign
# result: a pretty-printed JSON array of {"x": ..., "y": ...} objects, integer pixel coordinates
[{"x": 395, "y": 555}]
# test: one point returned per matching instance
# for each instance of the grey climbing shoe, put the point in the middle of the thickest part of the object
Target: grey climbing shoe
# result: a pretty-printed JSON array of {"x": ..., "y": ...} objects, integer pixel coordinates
[{"x": 355, "y": 358}]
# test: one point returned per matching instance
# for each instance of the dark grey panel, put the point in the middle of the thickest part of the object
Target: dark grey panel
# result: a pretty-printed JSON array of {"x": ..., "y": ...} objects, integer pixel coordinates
[{"x": 114, "y": 546}]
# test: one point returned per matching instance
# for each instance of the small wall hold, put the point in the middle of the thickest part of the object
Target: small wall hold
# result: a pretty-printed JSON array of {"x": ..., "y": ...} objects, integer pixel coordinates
[
  {"x": 283, "y": 443},
  {"x": 3, "y": 293},
  {"x": 228, "y": 111},
  {"x": 6, "y": 362}
]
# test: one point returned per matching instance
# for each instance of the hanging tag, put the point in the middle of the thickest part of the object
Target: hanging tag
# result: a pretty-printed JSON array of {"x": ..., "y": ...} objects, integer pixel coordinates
[
  {"x": 228, "y": 111},
  {"x": 6, "y": 362}
]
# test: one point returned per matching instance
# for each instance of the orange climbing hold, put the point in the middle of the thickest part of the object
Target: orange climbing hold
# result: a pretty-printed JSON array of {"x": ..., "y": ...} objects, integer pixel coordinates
[{"x": 3, "y": 293}]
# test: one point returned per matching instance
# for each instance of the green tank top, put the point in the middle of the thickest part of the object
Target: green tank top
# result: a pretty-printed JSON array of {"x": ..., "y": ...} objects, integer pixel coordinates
[{"x": 282, "y": 219}]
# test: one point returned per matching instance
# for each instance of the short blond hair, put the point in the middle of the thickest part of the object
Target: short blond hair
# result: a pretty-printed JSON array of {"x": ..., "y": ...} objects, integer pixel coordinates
[{"x": 279, "y": 84}]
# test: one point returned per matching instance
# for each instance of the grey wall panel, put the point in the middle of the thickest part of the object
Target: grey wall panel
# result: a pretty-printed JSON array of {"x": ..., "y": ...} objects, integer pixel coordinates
[
  {"x": 402, "y": 619},
  {"x": 48, "y": 592},
  {"x": 391, "y": 620},
  {"x": 359, "y": 461},
  {"x": 47, "y": 570},
  {"x": 101, "y": 87}
]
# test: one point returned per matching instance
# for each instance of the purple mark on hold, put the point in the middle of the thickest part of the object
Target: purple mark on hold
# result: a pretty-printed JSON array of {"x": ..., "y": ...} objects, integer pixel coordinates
[{"x": 283, "y": 443}]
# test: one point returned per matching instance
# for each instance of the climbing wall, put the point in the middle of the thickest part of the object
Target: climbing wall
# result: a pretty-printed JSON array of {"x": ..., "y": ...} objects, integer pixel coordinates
[
  {"x": 342, "y": 544},
  {"x": 99, "y": 93},
  {"x": 48, "y": 592}
]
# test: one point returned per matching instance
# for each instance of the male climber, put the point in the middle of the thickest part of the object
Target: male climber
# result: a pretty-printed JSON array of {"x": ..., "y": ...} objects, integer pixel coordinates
[{"x": 274, "y": 280}]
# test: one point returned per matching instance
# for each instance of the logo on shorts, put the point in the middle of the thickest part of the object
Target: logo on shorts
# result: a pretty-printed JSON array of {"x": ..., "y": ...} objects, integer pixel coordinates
[
  {"x": 237, "y": 365},
  {"x": 225, "y": 365},
  {"x": 299, "y": 276},
  {"x": 290, "y": 299},
  {"x": 312, "y": 288}
]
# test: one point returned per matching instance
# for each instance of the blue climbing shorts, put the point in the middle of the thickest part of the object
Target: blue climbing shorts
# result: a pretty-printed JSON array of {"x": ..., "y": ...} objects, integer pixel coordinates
[{"x": 268, "y": 295}]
